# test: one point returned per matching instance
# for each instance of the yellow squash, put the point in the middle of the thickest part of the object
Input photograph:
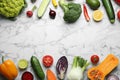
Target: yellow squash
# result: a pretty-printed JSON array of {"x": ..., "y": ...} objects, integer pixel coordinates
[{"x": 8, "y": 69}]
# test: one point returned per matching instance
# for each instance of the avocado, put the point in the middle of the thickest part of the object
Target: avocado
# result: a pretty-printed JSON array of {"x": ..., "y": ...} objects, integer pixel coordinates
[
  {"x": 11, "y": 8},
  {"x": 94, "y": 4}
]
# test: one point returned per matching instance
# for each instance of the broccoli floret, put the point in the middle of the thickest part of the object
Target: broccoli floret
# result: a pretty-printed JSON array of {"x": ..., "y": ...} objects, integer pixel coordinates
[
  {"x": 72, "y": 11},
  {"x": 11, "y": 8}
]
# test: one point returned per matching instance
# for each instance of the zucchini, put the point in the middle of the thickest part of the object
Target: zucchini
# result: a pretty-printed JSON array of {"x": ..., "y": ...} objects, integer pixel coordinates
[
  {"x": 42, "y": 7},
  {"x": 37, "y": 68},
  {"x": 109, "y": 9}
]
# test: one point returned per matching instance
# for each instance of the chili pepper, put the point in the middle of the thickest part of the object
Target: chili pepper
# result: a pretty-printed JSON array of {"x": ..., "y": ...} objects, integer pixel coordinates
[{"x": 86, "y": 13}]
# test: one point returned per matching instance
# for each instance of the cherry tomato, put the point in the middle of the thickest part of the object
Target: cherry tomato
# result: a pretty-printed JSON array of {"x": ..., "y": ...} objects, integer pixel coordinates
[
  {"x": 29, "y": 13},
  {"x": 118, "y": 15},
  {"x": 47, "y": 60},
  {"x": 94, "y": 59}
]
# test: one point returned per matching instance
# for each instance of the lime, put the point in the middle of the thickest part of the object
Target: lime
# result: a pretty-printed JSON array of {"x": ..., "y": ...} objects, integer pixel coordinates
[
  {"x": 23, "y": 64},
  {"x": 97, "y": 15}
]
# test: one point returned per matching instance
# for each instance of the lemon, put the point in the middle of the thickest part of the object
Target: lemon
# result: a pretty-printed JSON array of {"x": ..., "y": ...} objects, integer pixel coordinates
[{"x": 97, "y": 15}]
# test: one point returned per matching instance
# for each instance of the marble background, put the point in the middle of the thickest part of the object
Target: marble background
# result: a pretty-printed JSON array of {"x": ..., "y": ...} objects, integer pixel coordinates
[{"x": 25, "y": 37}]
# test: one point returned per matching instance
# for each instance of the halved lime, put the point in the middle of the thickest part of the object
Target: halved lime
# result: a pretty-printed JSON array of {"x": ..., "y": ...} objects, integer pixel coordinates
[{"x": 23, "y": 64}]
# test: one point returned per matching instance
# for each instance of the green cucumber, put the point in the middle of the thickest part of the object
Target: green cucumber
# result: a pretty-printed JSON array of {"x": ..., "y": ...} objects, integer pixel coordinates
[
  {"x": 42, "y": 8},
  {"x": 37, "y": 68},
  {"x": 109, "y": 9}
]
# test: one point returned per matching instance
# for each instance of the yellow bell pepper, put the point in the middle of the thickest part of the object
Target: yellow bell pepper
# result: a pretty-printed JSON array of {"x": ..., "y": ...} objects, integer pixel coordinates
[
  {"x": 8, "y": 69},
  {"x": 54, "y": 3}
]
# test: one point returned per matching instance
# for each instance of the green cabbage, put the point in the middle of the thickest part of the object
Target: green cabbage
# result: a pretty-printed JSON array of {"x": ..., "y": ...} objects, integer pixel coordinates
[{"x": 11, "y": 8}]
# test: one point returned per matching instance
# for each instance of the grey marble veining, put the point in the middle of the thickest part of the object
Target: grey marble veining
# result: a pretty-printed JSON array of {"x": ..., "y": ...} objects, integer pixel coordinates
[{"x": 32, "y": 36}]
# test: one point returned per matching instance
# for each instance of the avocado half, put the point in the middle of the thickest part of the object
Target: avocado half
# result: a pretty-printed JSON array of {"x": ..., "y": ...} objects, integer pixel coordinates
[{"x": 11, "y": 8}]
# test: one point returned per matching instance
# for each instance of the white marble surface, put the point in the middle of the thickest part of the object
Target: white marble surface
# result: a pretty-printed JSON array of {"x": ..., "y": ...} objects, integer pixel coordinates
[{"x": 32, "y": 36}]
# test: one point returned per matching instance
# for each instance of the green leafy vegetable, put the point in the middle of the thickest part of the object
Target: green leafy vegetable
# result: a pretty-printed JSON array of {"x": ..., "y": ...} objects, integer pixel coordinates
[
  {"x": 78, "y": 67},
  {"x": 72, "y": 11},
  {"x": 11, "y": 8}
]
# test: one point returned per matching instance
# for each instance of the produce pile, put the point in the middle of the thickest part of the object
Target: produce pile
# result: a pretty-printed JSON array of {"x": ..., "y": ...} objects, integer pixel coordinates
[
  {"x": 72, "y": 11},
  {"x": 98, "y": 71}
]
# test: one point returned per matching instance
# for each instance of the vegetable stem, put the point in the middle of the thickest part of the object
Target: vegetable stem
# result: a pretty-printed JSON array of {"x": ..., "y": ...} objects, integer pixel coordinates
[
  {"x": 2, "y": 59},
  {"x": 34, "y": 7}
]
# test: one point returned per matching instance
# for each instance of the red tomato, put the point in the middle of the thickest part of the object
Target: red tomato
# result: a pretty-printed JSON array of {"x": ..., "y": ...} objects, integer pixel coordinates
[
  {"x": 29, "y": 13},
  {"x": 94, "y": 59},
  {"x": 47, "y": 60},
  {"x": 118, "y": 14},
  {"x": 117, "y": 1}
]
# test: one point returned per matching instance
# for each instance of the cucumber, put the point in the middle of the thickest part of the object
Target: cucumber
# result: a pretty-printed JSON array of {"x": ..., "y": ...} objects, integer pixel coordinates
[
  {"x": 37, "y": 68},
  {"x": 109, "y": 9},
  {"x": 42, "y": 8}
]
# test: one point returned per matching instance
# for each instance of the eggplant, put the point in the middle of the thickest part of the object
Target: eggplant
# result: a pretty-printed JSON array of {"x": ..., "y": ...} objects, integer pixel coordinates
[
  {"x": 61, "y": 67},
  {"x": 112, "y": 77}
]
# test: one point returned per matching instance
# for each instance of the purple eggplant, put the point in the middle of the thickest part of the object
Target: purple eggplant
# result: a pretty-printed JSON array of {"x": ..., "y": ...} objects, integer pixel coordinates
[{"x": 61, "y": 67}]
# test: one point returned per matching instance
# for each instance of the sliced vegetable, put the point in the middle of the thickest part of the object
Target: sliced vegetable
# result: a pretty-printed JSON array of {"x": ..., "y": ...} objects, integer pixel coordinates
[
  {"x": 118, "y": 15},
  {"x": 8, "y": 69},
  {"x": 43, "y": 7},
  {"x": 61, "y": 67},
  {"x": 99, "y": 72},
  {"x": 30, "y": 12},
  {"x": 94, "y": 59},
  {"x": 54, "y": 2},
  {"x": 78, "y": 67},
  {"x": 27, "y": 76},
  {"x": 52, "y": 14},
  {"x": 50, "y": 75},
  {"x": 94, "y": 4},
  {"x": 112, "y": 77},
  {"x": 37, "y": 68},
  {"x": 109, "y": 9},
  {"x": 117, "y": 1},
  {"x": 97, "y": 15},
  {"x": 86, "y": 13},
  {"x": 47, "y": 60},
  {"x": 23, "y": 64}
]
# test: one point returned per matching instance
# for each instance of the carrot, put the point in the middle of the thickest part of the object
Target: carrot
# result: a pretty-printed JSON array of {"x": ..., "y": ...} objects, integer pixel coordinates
[{"x": 50, "y": 75}]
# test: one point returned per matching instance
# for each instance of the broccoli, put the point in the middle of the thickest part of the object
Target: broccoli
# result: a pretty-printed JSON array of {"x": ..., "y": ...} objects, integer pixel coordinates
[
  {"x": 11, "y": 8},
  {"x": 72, "y": 11}
]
